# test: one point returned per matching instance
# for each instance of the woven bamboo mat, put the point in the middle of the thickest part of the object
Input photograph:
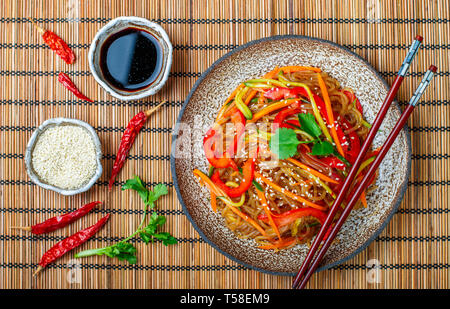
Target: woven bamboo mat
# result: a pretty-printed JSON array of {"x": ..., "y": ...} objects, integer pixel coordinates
[{"x": 413, "y": 250}]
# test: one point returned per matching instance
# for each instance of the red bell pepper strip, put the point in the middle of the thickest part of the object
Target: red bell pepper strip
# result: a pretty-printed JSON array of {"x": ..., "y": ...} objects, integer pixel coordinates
[
  {"x": 290, "y": 216},
  {"x": 226, "y": 159},
  {"x": 248, "y": 171},
  {"x": 333, "y": 162},
  {"x": 352, "y": 148},
  {"x": 278, "y": 122},
  {"x": 218, "y": 161},
  {"x": 279, "y": 93},
  {"x": 352, "y": 97}
]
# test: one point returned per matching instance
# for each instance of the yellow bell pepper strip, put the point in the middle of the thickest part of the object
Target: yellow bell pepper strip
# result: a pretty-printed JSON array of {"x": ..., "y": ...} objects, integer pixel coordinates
[
  {"x": 289, "y": 193},
  {"x": 329, "y": 111}
]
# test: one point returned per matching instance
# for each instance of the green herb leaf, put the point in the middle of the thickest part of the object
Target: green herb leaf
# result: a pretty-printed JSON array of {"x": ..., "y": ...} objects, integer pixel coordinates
[
  {"x": 123, "y": 250},
  {"x": 158, "y": 191},
  {"x": 258, "y": 186},
  {"x": 322, "y": 148},
  {"x": 166, "y": 238},
  {"x": 284, "y": 143},
  {"x": 309, "y": 124},
  {"x": 136, "y": 185}
]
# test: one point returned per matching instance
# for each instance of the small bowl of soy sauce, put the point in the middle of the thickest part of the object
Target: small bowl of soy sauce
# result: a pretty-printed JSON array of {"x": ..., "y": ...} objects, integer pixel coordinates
[{"x": 130, "y": 57}]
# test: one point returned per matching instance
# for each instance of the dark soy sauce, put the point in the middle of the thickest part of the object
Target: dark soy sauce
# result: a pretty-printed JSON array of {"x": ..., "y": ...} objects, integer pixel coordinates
[{"x": 131, "y": 59}]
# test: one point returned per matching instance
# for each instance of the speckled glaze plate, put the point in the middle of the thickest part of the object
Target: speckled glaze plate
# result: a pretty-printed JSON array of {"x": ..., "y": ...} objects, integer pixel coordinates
[{"x": 252, "y": 60}]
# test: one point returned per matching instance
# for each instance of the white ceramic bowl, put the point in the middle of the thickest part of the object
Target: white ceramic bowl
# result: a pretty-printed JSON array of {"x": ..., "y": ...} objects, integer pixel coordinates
[
  {"x": 115, "y": 26},
  {"x": 57, "y": 122}
]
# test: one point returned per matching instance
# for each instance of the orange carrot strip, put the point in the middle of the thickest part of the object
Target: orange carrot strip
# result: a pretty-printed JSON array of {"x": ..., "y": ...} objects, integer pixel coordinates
[
  {"x": 250, "y": 96},
  {"x": 296, "y": 68},
  {"x": 272, "y": 74},
  {"x": 249, "y": 220},
  {"x": 326, "y": 99},
  {"x": 265, "y": 205},
  {"x": 363, "y": 199},
  {"x": 312, "y": 171},
  {"x": 213, "y": 202},
  {"x": 204, "y": 179},
  {"x": 225, "y": 106},
  {"x": 289, "y": 193},
  {"x": 271, "y": 108}
]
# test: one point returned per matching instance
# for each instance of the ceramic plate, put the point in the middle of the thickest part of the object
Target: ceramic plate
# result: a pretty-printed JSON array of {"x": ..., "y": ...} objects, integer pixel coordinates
[{"x": 253, "y": 60}]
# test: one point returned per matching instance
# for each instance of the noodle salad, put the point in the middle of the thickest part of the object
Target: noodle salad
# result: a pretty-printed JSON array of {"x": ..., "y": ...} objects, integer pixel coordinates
[{"x": 279, "y": 150}]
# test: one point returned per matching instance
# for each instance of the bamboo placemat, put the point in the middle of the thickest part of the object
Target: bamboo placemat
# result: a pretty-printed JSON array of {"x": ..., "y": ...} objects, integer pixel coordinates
[{"x": 413, "y": 250}]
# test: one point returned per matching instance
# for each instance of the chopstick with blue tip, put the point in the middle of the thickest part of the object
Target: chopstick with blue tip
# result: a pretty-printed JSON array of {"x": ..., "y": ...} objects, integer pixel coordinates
[
  {"x": 365, "y": 147},
  {"x": 370, "y": 173}
]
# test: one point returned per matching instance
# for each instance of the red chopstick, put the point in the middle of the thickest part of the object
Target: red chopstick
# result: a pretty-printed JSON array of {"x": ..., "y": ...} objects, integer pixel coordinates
[
  {"x": 370, "y": 173},
  {"x": 365, "y": 147}
]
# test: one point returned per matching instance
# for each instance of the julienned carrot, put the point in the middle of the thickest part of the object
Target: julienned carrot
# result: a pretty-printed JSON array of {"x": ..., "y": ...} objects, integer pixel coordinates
[
  {"x": 209, "y": 183},
  {"x": 329, "y": 111},
  {"x": 289, "y": 193},
  {"x": 225, "y": 106},
  {"x": 273, "y": 73},
  {"x": 233, "y": 94},
  {"x": 296, "y": 68},
  {"x": 265, "y": 205},
  {"x": 213, "y": 202},
  {"x": 271, "y": 108},
  {"x": 249, "y": 220},
  {"x": 312, "y": 171},
  {"x": 250, "y": 96},
  {"x": 363, "y": 199}
]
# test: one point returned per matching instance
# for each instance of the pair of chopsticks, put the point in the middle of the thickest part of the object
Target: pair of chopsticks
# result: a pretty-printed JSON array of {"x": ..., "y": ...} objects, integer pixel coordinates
[{"x": 315, "y": 254}]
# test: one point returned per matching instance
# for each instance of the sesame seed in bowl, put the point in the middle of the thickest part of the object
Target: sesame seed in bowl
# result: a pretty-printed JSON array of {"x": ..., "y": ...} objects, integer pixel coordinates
[{"x": 64, "y": 155}]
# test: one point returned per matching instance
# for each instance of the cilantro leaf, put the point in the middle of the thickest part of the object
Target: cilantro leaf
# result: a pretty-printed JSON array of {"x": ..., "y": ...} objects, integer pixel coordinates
[
  {"x": 309, "y": 125},
  {"x": 284, "y": 143},
  {"x": 136, "y": 185},
  {"x": 149, "y": 197},
  {"x": 322, "y": 148},
  {"x": 125, "y": 251},
  {"x": 166, "y": 238},
  {"x": 158, "y": 191},
  {"x": 148, "y": 233}
]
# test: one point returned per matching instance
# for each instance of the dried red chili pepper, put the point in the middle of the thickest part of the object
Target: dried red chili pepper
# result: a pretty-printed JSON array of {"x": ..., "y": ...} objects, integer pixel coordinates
[
  {"x": 58, "y": 222},
  {"x": 69, "y": 243},
  {"x": 133, "y": 128},
  {"x": 56, "y": 44},
  {"x": 64, "y": 79}
]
